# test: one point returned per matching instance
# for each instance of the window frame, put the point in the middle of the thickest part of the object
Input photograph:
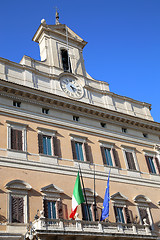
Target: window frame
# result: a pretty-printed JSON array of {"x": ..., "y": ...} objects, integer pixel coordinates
[
  {"x": 18, "y": 188},
  {"x": 130, "y": 150},
  {"x": 47, "y": 133},
  {"x": 82, "y": 140},
  {"x": 154, "y": 156},
  {"x": 143, "y": 202},
  {"x": 112, "y": 147},
  {"x": 52, "y": 193},
  {"x": 20, "y": 127},
  {"x": 120, "y": 201}
]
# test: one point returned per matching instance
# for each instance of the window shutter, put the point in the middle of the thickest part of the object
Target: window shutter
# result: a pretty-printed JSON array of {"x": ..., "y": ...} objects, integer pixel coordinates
[
  {"x": 14, "y": 209},
  {"x": 13, "y": 138},
  {"x": 73, "y": 149},
  {"x": 45, "y": 207},
  {"x": 144, "y": 214},
  {"x": 148, "y": 164},
  {"x": 128, "y": 215},
  {"x": 19, "y": 138},
  {"x": 103, "y": 155},
  {"x": 55, "y": 146},
  {"x": 158, "y": 164},
  {"x": 60, "y": 209},
  {"x": 116, "y": 214},
  {"x": 130, "y": 160},
  {"x": 20, "y": 210},
  {"x": 65, "y": 211},
  {"x": 116, "y": 158},
  {"x": 17, "y": 209},
  {"x": 40, "y": 143},
  {"x": 87, "y": 151}
]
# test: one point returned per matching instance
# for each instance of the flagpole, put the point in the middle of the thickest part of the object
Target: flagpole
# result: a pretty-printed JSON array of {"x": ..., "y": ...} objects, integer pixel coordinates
[
  {"x": 84, "y": 193},
  {"x": 95, "y": 205}
]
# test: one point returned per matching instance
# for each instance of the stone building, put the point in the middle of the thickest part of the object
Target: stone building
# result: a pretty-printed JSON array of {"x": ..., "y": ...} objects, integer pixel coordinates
[{"x": 54, "y": 117}]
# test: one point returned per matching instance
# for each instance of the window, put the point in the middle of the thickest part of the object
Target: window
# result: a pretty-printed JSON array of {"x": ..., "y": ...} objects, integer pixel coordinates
[
  {"x": 103, "y": 124},
  {"x": 130, "y": 158},
  {"x": 18, "y": 201},
  {"x": 17, "y": 136},
  {"x": 66, "y": 61},
  {"x": 47, "y": 142},
  {"x": 109, "y": 154},
  {"x": 17, "y": 205},
  {"x": 50, "y": 209},
  {"x": 124, "y": 130},
  {"x": 150, "y": 164},
  {"x": 119, "y": 214},
  {"x": 75, "y": 118},
  {"x": 16, "y": 104},
  {"x": 86, "y": 212},
  {"x": 121, "y": 211},
  {"x": 153, "y": 164},
  {"x": 145, "y": 135},
  {"x": 143, "y": 204},
  {"x": 52, "y": 203},
  {"x": 80, "y": 149},
  {"x": 89, "y": 214},
  {"x": 45, "y": 110}
]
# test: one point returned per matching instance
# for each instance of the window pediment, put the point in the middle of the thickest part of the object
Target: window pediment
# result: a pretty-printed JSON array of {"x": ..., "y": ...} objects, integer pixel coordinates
[
  {"x": 141, "y": 199},
  {"x": 51, "y": 189},
  {"x": 18, "y": 185},
  {"x": 119, "y": 197}
]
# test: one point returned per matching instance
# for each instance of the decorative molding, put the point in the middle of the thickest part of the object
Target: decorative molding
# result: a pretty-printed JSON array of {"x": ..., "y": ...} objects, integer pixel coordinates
[{"x": 39, "y": 95}]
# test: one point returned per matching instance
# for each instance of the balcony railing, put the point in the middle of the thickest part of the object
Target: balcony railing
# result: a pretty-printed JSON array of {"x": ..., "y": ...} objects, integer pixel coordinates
[{"x": 78, "y": 227}]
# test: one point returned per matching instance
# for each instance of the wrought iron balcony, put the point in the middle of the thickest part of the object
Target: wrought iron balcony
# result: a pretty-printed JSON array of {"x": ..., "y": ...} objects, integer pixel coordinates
[{"x": 55, "y": 227}]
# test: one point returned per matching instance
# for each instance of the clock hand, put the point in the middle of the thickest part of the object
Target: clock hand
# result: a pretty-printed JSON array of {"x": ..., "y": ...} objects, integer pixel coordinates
[{"x": 73, "y": 88}]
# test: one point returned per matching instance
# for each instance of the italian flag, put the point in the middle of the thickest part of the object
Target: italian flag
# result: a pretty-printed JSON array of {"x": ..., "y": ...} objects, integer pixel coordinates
[{"x": 77, "y": 197}]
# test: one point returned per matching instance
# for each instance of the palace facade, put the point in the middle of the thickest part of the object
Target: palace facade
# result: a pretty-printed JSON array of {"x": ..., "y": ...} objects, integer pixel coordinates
[{"x": 55, "y": 118}]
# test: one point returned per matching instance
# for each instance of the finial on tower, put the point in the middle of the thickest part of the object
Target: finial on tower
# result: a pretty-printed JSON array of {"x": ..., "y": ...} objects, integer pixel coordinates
[{"x": 57, "y": 17}]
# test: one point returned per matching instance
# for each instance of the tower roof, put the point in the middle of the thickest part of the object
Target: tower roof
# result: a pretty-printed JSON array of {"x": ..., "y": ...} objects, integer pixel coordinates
[{"x": 58, "y": 29}]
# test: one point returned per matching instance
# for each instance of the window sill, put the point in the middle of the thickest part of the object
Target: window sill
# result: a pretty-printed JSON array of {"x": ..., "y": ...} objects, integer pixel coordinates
[
  {"x": 133, "y": 173},
  {"x": 48, "y": 159},
  {"x": 113, "y": 169},
  {"x": 16, "y": 227},
  {"x": 83, "y": 165},
  {"x": 12, "y": 153}
]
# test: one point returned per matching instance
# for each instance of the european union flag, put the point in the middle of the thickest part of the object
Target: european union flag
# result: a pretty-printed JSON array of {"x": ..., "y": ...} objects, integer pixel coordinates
[{"x": 105, "y": 209}]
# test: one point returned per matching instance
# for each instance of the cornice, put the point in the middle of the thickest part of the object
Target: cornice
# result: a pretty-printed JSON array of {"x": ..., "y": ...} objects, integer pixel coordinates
[
  {"x": 72, "y": 171},
  {"x": 34, "y": 95}
]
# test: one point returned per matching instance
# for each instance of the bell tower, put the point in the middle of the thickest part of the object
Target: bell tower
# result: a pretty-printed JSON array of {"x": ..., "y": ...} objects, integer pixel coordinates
[{"x": 60, "y": 48}]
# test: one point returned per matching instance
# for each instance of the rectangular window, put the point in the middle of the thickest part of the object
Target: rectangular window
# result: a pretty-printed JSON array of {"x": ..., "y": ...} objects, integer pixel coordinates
[
  {"x": 17, "y": 206},
  {"x": 79, "y": 151},
  {"x": 130, "y": 160},
  {"x": 50, "y": 209},
  {"x": 16, "y": 104},
  {"x": 150, "y": 164},
  {"x": 119, "y": 214},
  {"x": 45, "y": 110},
  {"x": 85, "y": 213},
  {"x": 47, "y": 145},
  {"x": 144, "y": 215},
  {"x": 16, "y": 139},
  {"x": 108, "y": 157}
]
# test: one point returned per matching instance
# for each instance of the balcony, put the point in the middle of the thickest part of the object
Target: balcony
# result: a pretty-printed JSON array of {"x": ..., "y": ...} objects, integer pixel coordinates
[{"x": 45, "y": 228}]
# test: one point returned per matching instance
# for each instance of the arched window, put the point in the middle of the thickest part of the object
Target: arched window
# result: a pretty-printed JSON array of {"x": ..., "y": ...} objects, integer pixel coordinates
[{"x": 66, "y": 61}]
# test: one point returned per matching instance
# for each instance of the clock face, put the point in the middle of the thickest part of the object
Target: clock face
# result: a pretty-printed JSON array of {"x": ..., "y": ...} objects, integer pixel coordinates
[{"x": 71, "y": 87}]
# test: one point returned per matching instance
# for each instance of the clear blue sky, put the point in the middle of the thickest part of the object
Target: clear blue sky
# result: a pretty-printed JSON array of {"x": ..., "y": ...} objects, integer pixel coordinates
[{"x": 123, "y": 40}]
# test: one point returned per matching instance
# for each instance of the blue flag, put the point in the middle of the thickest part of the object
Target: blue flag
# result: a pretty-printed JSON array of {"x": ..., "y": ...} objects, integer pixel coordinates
[{"x": 105, "y": 209}]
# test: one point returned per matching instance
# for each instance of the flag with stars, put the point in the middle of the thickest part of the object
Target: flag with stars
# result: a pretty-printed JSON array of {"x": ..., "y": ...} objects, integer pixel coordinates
[{"x": 105, "y": 209}]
